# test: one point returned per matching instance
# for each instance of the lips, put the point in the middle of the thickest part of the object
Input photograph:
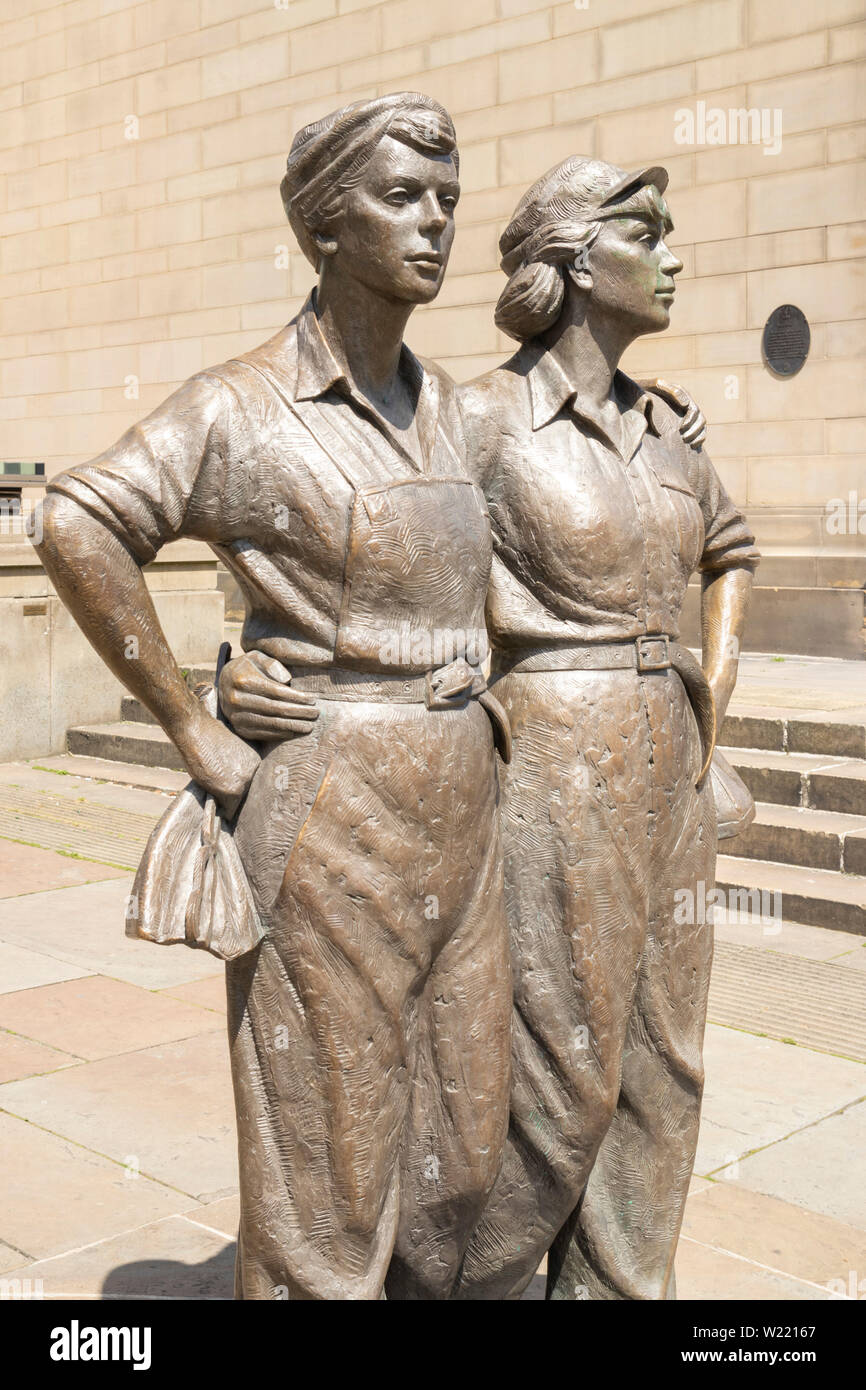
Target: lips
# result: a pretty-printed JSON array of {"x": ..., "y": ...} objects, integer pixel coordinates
[{"x": 433, "y": 259}]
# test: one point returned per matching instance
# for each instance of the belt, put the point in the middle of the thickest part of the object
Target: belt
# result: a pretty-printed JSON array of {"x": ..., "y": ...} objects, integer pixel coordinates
[
  {"x": 648, "y": 653},
  {"x": 645, "y": 654},
  {"x": 448, "y": 687}
]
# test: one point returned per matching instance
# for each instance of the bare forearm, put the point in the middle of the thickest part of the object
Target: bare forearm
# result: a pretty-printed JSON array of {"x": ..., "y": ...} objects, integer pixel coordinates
[
  {"x": 724, "y": 605},
  {"x": 102, "y": 585}
]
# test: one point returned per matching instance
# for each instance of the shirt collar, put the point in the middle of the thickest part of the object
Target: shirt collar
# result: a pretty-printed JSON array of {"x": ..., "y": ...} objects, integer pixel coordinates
[
  {"x": 318, "y": 367},
  {"x": 321, "y": 367},
  {"x": 551, "y": 387}
]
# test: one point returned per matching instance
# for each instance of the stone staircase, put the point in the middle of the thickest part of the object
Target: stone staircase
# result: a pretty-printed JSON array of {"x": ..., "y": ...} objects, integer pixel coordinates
[
  {"x": 806, "y": 773},
  {"x": 135, "y": 739},
  {"x": 808, "y": 839}
]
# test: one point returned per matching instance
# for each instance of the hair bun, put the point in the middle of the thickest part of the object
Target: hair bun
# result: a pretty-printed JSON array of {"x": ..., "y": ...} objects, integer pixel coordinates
[{"x": 531, "y": 301}]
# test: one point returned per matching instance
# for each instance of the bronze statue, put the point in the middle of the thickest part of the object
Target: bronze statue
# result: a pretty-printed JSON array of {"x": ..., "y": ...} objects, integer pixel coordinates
[
  {"x": 602, "y": 504},
  {"x": 370, "y": 1028},
  {"x": 601, "y": 512}
]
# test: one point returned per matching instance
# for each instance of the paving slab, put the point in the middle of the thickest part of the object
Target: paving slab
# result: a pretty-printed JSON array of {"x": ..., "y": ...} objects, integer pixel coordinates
[
  {"x": 205, "y": 994},
  {"x": 820, "y": 1168},
  {"x": 759, "y": 1090},
  {"x": 21, "y": 968},
  {"x": 21, "y": 1057},
  {"x": 774, "y": 1233},
  {"x": 97, "y": 1017},
  {"x": 169, "y": 1109},
  {"x": 166, "y": 1259},
  {"x": 9, "y": 1257},
  {"x": 28, "y": 869},
  {"x": 223, "y": 1215},
  {"x": 56, "y": 1195},
  {"x": 714, "y": 1275},
  {"x": 85, "y": 927}
]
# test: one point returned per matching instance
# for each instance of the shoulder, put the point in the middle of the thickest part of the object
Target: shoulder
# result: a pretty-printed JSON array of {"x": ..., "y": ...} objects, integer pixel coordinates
[
  {"x": 446, "y": 383},
  {"x": 495, "y": 402},
  {"x": 278, "y": 355}
]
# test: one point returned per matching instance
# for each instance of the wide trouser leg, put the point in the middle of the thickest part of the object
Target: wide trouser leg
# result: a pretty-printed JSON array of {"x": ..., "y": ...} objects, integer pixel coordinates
[
  {"x": 458, "y": 1116},
  {"x": 351, "y": 836},
  {"x": 621, "y": 1240},
  {"x": 576, "y": 806}
]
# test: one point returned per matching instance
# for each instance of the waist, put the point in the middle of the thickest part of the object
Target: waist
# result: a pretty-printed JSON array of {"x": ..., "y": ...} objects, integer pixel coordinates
[
  {"x": 448, "y": 687},
  {"x": 649, "y": 652}
]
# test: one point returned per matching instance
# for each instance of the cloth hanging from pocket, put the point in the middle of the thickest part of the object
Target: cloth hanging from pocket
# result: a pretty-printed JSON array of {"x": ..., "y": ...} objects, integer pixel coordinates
[{"x": 190, "y": 886}]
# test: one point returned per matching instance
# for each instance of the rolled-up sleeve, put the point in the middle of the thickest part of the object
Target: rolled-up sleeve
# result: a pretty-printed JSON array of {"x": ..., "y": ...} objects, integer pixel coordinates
[
  {"x": 729, "y": 541},
  {"x": 165, "y": 477}
]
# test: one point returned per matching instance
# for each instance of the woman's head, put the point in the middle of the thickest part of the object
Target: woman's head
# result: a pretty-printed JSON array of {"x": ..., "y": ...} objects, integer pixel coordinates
[
  {"x": 585, "y": 221},
  {"x": 373, "y": 188}
]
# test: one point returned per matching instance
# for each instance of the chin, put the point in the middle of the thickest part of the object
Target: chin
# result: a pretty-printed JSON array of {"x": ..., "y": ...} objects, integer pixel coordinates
[
  {"x": 420, "y": 289},
  {"x": 658, "y": 319}
]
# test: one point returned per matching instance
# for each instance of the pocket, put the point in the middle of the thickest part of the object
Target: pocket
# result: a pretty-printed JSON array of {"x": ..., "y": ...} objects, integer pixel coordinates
[{"x": 669, "y": 476}]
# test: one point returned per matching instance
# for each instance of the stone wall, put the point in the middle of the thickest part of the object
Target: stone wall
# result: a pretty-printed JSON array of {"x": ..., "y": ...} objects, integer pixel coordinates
[{"x": 141, "y": 146}]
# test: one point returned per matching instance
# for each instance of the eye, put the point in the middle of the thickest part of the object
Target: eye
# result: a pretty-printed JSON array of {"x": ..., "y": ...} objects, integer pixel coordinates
[
  {"x": 398, "y": 197},
  {"x": 448, "y": 202}
]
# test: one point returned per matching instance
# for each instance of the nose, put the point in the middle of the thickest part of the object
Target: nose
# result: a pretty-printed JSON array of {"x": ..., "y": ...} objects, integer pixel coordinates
[
  {"x": 433, "y": 219},
  {"x": 671, "y": 263}
]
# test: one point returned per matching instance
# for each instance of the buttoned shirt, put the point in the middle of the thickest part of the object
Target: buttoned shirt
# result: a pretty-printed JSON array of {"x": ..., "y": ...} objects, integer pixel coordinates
[
  {"x": 226, "y": 460},
  {"x": 595, "y": 539}
]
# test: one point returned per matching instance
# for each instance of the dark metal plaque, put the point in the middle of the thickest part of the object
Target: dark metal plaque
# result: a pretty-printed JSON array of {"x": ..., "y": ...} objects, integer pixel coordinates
[{"x": 786, "y": 340}]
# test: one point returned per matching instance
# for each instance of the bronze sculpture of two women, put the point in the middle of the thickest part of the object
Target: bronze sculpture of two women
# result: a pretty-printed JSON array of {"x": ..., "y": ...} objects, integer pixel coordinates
[{"x": 416, "y": 828}]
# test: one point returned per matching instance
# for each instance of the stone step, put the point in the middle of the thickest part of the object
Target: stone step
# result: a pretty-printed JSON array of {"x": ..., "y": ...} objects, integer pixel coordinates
[
  {"x": 159, "y": 779},
  {"x": 796, "y": 731},
  {"x": 132, "y": 710},
  {"x": 803, "y": 779},
  {"x": 818, "y": 897},
  {"x": 799, "y": 835},
  {"x": 130, "y": 742}
]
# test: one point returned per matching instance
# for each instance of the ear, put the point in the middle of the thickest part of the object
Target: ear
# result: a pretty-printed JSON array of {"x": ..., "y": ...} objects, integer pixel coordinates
[
  {"x": 325, "y": 245},
  {"x": 582, "y": 278}
]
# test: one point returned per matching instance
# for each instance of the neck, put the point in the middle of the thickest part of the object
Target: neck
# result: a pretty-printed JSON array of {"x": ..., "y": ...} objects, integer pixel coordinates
[
  {"x": 366, "y": 329},
  {"x": 588, "y": 346}
]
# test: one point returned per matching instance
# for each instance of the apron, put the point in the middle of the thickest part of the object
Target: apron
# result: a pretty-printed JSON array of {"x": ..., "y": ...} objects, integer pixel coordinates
[{"x": 370, "y": 1031}]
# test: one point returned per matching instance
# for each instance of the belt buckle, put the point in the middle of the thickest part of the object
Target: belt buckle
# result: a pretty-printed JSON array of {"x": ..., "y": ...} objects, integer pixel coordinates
[
  {"x": 450, "y": 684},
  {"x": 653, "y": 652}
]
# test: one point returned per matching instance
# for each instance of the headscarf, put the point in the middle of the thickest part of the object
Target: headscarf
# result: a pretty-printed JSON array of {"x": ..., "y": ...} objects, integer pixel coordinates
[{"x": 329, "y": 155}]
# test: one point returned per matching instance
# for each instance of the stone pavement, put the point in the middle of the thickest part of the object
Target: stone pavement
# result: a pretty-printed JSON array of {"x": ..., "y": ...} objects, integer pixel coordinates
[{"x": 116, "y": 1114}]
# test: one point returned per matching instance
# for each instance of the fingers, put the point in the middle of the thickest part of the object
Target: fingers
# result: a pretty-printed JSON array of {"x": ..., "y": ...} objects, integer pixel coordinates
[
  {"x": 241, "y": 682},
  {"x": 694, "y": 427},
  {"x": 247, "y": 703},
  {"x": 675, "y": 395},
  {"x": 260, "y": 727},
  {"x": 269, "y": 666}
]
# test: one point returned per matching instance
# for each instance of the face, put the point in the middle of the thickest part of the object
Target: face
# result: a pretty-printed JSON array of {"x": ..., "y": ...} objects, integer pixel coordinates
[
  {"x": 397, "y": 226},
  {"x": 633, "y": 269}
]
